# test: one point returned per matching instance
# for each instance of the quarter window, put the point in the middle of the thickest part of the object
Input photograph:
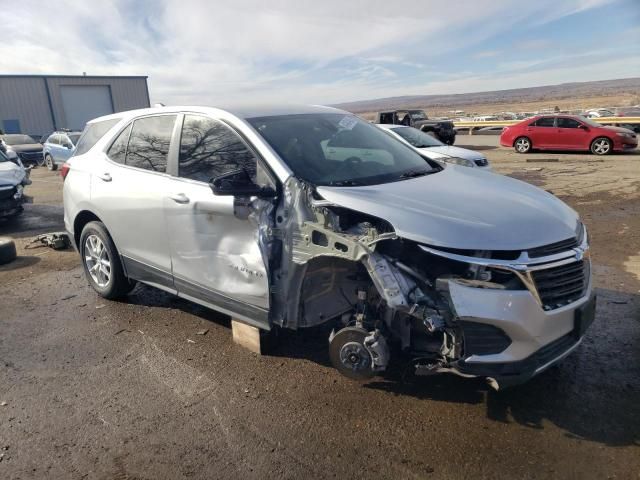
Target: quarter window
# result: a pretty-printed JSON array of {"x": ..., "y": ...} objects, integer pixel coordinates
[
  {"x": 545, "y": 122},
  {"x": 118, "y": 150},
  {"x": 568, "y": 123},
  {"x": 208, "y": 148},
  {"x": 149, "y": 142}
]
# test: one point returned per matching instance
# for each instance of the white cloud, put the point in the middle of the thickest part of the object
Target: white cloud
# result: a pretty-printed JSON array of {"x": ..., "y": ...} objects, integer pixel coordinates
[{"x": 215, "y": 52}]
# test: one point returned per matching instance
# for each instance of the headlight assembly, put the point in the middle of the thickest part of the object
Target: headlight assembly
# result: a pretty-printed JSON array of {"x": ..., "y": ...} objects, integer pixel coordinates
[
  {"x": 459, "y": 161},
  {"x": 625, "y": 134}
]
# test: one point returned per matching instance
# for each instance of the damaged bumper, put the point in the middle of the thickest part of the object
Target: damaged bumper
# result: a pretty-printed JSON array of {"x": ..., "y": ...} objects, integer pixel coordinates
[{"x": 11, "y": 200}]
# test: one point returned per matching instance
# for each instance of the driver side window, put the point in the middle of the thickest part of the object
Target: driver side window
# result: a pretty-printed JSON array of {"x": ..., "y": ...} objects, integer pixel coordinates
[{"x": 208, "y": 148}]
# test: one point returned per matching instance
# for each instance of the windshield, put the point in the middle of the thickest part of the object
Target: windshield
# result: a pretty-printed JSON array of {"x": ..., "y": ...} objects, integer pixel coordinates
[
  {"x": 417, "y": 138},
  {"x": 18, "y": 139},
  {"x": 418, "y": 115},
  {"x": 3, "y": 157},
  {"x": 335, "y": 149}
]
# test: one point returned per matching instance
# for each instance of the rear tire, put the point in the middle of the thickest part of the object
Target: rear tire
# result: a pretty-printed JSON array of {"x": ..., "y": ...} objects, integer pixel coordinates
[
  {"x": 522, "y": 145},
  {"x": 601, "y": 146},
  {"x": 51, "y": 165},
  {"x": 101, "y": 262}
]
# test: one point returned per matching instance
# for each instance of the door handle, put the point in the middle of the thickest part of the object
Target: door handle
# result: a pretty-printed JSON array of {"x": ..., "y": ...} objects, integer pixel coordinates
[
  {"x": 105, "y": 177},
  {"x": 179, "y": 198}
]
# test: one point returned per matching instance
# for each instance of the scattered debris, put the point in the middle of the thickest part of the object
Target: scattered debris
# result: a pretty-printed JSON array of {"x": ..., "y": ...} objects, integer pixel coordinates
[
  {"x": 618, "y": 302},
  {"x": 141, "y": 332},
  {"x": 55, "y": 240},
  {"x": 3, "y": 404},
  {"x": 542, "y": 160},
  {"x": 190, "y": 341},
  {"x": 202, "y": 332},
  {"x": 100, "y": 306},
  {"x": 69, "y": 297},
  {"x": 533, "y": 169},
  {"x": 123, "y": 330}
]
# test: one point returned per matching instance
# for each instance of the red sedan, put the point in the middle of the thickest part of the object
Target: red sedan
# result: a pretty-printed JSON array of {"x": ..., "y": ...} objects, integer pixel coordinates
[{"x": 567, "y": 132}]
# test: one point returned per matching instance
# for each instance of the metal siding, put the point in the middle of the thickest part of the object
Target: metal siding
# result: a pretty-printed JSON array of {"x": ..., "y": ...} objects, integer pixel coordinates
[{"x": 24, "y": 98}]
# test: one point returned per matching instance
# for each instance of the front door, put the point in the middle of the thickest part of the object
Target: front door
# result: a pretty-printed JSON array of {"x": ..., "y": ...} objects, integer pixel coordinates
[
  {"x": 215, "y": 250},
  {"x": 130, "y": 185},
  {"x": 572, "y": 134}
]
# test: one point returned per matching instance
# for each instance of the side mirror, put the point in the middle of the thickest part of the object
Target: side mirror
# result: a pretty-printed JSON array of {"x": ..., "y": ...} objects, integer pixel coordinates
[
  {"x": 239, "y": 184},
  {"x": 584, "y": 127}
]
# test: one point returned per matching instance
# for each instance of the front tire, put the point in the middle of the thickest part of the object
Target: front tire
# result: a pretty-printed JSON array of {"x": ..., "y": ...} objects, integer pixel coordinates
[
  {"x": 522, "y": 145},
  {"x": 51, "y": 165},
  {"x": 40, "y": 162},
  {"x": 601, "y": 146},
  {"x": 101, "y": 262}
]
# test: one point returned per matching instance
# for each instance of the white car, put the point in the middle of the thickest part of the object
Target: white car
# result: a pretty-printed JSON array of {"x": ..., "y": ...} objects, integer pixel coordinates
[
  {"x": 13, "y": 178},
  {"x": 435, "y": 149}
]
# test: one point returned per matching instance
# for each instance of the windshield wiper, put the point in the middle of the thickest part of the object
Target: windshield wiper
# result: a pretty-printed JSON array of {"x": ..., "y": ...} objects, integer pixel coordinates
[
  {"x": 415, "y": 173},
  {"x": 344, "y": 183}
]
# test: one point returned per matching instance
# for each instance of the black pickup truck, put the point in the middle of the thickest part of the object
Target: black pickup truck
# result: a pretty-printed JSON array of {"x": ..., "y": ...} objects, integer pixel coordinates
[{"x": 441, "y": 129}]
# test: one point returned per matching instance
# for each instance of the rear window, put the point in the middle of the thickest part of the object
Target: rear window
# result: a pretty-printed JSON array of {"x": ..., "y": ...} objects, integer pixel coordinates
[{"x": 92, "y": 133}]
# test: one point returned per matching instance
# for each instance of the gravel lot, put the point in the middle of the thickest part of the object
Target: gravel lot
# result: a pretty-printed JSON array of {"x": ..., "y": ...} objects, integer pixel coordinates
[{"x": 127, "y": 390}]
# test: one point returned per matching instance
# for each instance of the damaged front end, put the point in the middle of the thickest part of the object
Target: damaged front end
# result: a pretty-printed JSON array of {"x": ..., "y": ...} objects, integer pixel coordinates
[
  {"x": 13, "y": 178},
  {"x": 504, "y": 315}
]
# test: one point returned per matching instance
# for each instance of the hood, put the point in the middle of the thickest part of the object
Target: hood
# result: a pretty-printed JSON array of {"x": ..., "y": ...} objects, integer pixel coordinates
[
  {"x": 450, "y": 151},
  {"x": 464, "y": 208},
  {"x": 619, "y": 129},
  {"x": 26, "y": 148},
  {"x": 11, "y": 174}
]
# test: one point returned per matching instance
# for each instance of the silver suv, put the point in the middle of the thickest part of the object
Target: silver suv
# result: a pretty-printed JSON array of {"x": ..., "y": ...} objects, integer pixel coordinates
[{"x": 301, "y": 216}]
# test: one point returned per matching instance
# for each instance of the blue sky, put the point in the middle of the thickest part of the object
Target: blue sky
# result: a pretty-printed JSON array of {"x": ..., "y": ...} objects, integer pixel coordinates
[{"x": 217, "y": 52}]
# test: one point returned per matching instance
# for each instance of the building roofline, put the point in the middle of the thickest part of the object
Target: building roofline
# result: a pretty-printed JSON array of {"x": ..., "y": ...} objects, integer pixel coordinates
[{"x": 17, "y": 75}]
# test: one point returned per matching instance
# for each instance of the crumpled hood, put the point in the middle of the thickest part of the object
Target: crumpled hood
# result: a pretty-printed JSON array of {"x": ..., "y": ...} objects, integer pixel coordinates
[
  {"x": 26, "y": 148},
  {"x": 464, "y": 208},
  {"x": 11, "y": 174},
  {"x": 450, "y": 151}
]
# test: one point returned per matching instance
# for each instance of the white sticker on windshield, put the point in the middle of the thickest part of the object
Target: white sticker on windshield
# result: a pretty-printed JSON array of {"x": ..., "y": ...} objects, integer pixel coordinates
[{"x": 348, "y": 122}]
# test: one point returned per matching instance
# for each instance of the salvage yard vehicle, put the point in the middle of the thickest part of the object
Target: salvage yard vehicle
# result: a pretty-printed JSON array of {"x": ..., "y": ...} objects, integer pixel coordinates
[
  {"x": 58, "y": 148},
  {"x": 441, "y": 129},
  {"x": 437, "y": 150},
  {"x": 13, "y": 178},
  {"x": 248, "y": 212},
  {"x": 567, "y": 132},
  {"x": 29, "y": 151}
]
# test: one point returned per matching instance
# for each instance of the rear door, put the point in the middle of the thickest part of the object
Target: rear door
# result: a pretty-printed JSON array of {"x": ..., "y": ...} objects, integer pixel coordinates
[
  {"x": 215, "y": 252},
  {"x": 128, "y": 187},
  {"x": 570, "y": 134},
  {"x": 543, "y": 133}
]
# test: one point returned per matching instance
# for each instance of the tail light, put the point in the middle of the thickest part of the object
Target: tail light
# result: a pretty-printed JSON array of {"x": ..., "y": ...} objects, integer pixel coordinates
[{"x": 64, "y": 170}]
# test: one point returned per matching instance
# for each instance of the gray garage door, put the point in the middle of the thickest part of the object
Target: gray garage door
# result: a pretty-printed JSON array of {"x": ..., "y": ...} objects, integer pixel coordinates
[{"x": 82, "y": 103}]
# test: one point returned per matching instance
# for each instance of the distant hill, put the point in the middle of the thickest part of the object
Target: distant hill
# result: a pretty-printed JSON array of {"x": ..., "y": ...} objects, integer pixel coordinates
[{"x": 627, "y": 87}]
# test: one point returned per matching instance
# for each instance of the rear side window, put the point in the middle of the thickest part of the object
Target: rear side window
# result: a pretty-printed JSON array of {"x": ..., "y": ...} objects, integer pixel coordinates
[
  {"x": 149, "y": 142},
  {"x": 568, "y": 123},
  {"x": 92, "y": 133},
  {"x": 209, "y": 148},
  {"x": 118, "y": 150},
  {"x": 545, "y": 122}
]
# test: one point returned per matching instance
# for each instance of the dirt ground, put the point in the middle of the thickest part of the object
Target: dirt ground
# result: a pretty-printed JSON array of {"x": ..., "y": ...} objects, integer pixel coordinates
[{"x": 127, "y": 390}]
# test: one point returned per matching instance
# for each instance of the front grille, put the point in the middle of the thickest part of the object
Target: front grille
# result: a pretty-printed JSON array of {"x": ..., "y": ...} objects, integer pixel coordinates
[
  {"x": 559, "y": 286},
  {"x": 552, "y": 248},
  {"x": 30, "y": 157},
  {"x": 481, "y": 162}
]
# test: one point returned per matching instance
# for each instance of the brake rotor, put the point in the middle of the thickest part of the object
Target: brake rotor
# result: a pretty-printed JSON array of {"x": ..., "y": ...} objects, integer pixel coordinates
[{"x": 349, "y": 355}]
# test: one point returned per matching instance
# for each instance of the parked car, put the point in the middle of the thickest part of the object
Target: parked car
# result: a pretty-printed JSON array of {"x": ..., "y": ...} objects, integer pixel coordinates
[
  {"x": 13, "y": 178},
  {"x": 441, "y": 129},
  {"x": 435, "y": 149},
  {"x": 59, "y": 147},
  {"x": 29, "y": 151},
  {"x": 567, "y": 132},
  {"x": 249, "y": 212}
]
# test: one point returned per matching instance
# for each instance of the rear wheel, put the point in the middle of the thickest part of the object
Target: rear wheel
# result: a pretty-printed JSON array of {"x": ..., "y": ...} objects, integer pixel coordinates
[
  {"x": 522, "y": 145},
  {"x": 51, "y": 165},
  {"x": 601, "y": 146},
  {"x": 101, "y": 262}
]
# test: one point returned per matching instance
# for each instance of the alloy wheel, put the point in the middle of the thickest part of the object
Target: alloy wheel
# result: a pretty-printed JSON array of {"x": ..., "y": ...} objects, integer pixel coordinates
[
  {"x": 97, "y": 260},
  {"x": 522, "y": 145},
  {"x": 601, "y": 147}
]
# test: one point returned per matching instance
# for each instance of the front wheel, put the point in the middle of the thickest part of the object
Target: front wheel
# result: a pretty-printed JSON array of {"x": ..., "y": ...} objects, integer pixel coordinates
[
  {"x": 101, "y": 262},
  {"x": 40, "y": 161},
  {"x": 51, "y": 165},
  {"x": 522, "y": 145},
  {"x": 601, "y": 146}
]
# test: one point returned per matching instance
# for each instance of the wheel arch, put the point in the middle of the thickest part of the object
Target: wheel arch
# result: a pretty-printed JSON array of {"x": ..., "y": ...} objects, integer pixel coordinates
[
  {"x": 515, "y": 139},
  {"x": 82, "y": 218}
]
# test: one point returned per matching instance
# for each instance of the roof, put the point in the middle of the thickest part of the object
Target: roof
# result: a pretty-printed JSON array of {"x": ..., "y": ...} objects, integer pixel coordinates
[
  {"x": 240, "y": 111},
  {"x": 33, "y": 75}
]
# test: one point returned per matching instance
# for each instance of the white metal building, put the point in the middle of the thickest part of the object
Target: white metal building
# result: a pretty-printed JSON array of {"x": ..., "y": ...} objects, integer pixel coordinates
[{"x": 39, "y": 104}]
